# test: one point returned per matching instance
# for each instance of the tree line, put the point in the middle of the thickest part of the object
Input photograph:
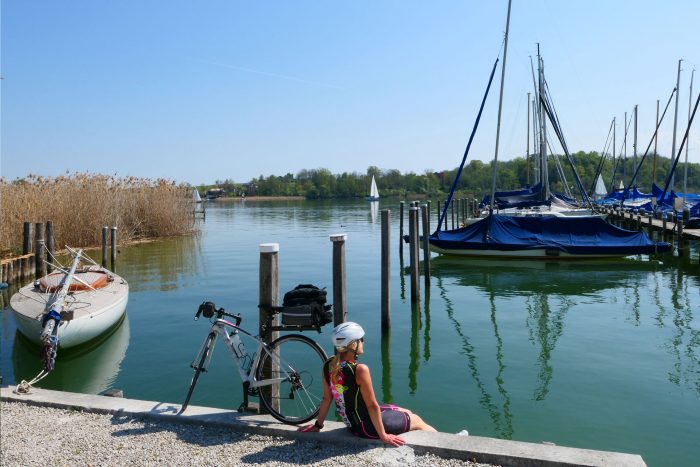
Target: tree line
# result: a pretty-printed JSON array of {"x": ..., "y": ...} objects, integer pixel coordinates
[{"x": 475, "y": 181}]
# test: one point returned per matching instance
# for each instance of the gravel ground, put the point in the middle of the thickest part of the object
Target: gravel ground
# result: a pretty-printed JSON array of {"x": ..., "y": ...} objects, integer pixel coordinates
[{"x": 31, "y": 435}]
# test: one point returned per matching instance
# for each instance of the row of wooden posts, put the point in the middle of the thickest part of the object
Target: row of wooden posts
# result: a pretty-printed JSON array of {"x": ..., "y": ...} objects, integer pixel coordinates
[
  {"x": 669, "y": 224},
  {"x": 38, "y": 251}
]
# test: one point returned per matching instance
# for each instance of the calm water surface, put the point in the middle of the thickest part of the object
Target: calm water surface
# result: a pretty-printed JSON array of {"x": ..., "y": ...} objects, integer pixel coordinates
[{"x": 599, "y": 355}]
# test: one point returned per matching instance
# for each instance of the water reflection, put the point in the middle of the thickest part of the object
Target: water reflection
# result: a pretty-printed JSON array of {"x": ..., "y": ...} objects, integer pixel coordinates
[
  {"x": 515, "y": 277},
  {"x": 545, "y": 328},
  {"x": 502, "y": 418},
  {"x": 414, "y": 348},
  {"x": 89, "y": 369},
  {"x": 164, "y": 265},
  {"x": 386, "y": 368}
]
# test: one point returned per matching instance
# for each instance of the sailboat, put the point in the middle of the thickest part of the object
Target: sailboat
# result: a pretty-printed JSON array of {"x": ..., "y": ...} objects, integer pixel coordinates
[
  {"x": 373, "y": 191},
  {"x": 541, "y": 236},
  {"x": 71, "y": 305},
  {"x": 196, "y": 196}
]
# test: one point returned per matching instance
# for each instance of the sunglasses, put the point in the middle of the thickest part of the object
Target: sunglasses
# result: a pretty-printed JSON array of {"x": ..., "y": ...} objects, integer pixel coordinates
[{"x": 362, "y": 339}]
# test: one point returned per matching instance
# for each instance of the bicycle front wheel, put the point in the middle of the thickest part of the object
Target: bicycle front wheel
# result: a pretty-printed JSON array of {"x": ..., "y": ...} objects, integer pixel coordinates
[
  {"x": 204, "y": 354},
  {"x": 298, "y": 360}
]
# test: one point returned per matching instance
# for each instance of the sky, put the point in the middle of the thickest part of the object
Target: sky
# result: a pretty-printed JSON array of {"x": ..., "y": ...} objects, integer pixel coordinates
[{"x": 202, "y": 91}]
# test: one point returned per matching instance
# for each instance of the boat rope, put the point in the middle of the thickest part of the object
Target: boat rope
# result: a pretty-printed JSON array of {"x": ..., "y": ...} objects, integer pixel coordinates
[
  {"x": 24, "y": 387},
  {"x": 636, "y": 172},
  {"x": 466, "y": 151},
  {"x": 685, "y": 138}
]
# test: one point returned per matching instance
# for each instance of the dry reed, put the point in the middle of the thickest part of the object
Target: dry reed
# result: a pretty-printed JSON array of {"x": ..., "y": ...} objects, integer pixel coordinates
[{"x": 80, "y": 204}]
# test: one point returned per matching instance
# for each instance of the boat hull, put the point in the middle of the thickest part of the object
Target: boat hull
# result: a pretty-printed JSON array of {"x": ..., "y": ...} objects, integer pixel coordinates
[
  {"x": 542, "y": 238},
  {"x": 87, "y": 314}
]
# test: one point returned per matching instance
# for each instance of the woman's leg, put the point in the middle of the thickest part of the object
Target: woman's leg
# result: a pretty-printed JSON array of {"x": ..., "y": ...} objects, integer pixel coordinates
[{"x": 417, "y": 423}]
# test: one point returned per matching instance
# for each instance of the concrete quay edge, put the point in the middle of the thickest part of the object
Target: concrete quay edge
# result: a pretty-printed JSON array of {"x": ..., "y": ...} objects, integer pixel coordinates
[{"x": 469, "y": 448}]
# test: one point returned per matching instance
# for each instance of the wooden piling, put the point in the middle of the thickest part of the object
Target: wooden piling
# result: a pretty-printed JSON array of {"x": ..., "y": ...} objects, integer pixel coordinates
[
  {"x": 268, "y": 297},
  {"x": 339, "y": 302},
  {"x": 401, "y": 206},
  {"x": 113, "y": 249},
  {"x": 438, "y": 211},
  {"x": 49, "y": 246},
  {"x": 679, "y": 224},
  {"x": 11, "y": 277},
  {"x": 452, "y": 214},
  {"x": 413, "y": 245},
  {"x": 27, "y": 238},
  {"x": 426, "y": 246},
  {"x": 39, "y": 265},
  {"x": 429, "y": 215},
  {"x": 105, "y": 229},
  {"x": 386, "y": 271}
]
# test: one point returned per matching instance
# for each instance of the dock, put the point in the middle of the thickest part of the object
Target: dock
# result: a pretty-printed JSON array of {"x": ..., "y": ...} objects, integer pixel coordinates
[{"x": 444, "y": 445}]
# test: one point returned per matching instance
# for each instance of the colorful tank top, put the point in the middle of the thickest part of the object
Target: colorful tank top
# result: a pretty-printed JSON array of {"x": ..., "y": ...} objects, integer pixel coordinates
[{"x": 346, "y": 393}]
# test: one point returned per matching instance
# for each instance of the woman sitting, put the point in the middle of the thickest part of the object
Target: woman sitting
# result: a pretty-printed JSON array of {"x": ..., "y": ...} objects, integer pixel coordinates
[{"x": 350, "y": 385}]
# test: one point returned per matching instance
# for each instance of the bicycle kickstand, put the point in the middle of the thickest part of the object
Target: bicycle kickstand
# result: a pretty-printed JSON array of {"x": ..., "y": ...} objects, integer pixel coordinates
[{"x": 244, "y": 405}]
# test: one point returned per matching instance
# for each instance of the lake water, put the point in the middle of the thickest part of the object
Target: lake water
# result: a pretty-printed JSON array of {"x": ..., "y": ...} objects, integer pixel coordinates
[{"x": 600, "y": 355}]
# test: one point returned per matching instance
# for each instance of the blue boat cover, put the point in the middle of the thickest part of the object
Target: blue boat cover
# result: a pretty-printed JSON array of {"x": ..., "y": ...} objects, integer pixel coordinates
[
  {"x": 574, "y": 235},
  {"x": 524, "y": 197}
]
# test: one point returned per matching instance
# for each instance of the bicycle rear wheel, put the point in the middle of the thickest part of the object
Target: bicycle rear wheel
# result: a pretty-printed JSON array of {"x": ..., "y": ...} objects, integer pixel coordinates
[
  {"x": 204, "y": 354},
  {"x": 299, "y": 360}
]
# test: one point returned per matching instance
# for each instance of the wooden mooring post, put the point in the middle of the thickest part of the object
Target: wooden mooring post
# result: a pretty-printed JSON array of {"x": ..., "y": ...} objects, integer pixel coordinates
[
  {"x": 113, "y": 249},
  {"x": 39, "y": 265},
  {"x": 401, "y": 205},
  {"x": 49, "y": 246},
  {"x": 27, "y": 238},
  {"x": 386, "y": 270},
  {"x": 268, "y": 297},
  {"x": 105, "y": 229},
  {"x": 426, "y": 246},
  {"x": 413, "y": 247},
  {"x": 339, "y": 302}
]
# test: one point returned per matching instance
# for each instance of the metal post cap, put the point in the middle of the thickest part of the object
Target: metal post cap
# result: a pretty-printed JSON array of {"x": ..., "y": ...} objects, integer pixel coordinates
[{"x": 269, "y": 247}]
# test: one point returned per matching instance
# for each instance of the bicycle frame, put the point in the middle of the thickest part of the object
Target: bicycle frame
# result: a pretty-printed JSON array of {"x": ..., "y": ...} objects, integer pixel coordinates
[{"x": 238, "y": 352}]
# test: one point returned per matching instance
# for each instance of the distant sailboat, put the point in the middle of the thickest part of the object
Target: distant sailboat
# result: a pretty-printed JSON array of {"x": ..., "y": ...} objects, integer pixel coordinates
[
  {"x": 196, "y": 196},
  {"x": 373, "y": 191}
]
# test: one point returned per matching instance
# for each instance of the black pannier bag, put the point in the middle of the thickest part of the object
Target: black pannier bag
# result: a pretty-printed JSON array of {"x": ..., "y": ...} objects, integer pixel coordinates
[{"x": 305, "y": 305}]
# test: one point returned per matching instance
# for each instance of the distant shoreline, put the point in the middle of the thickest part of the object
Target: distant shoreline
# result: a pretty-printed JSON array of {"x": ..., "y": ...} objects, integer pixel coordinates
[{"x": 259, "y": 198}]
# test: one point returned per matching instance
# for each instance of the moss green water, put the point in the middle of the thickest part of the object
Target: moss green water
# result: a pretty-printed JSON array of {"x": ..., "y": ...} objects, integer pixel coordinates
[{"x": 598, "y": 355}]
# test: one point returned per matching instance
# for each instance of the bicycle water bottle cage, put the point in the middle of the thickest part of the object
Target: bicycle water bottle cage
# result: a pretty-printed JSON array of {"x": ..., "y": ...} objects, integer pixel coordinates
[{"x": 208, "y": 309}]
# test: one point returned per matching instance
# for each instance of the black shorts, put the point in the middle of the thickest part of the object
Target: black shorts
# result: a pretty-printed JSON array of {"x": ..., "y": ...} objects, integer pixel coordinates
[{"x": 395, "y": 422}]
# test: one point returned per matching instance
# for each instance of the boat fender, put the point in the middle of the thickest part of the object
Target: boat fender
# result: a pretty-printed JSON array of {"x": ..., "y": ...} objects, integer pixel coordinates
[
  {"x": 3, "y": 285},
  {"x": 51, "y": 315}
]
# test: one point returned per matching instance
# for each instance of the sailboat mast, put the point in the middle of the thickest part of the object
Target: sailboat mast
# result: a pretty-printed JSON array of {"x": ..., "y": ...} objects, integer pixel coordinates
[
  {"x": 656, "y": 141},
  {"x": 500, "y": 108},
  {"x": 527, "y": 146},
  {"x": 634, "y": 145},
  {"x": 544, "y": 172},
  {"x": 675, "y": 119},
  {"x": 685, "y": 169},
  {"x": 624, "y": 153}
]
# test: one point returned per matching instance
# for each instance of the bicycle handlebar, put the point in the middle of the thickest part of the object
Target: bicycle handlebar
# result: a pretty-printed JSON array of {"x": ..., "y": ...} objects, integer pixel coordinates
[{"x": 208, "y": 309}]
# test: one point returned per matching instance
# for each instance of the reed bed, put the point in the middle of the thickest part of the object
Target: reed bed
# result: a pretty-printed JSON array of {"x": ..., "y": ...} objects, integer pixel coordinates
[{"x": 80, "y": 204}]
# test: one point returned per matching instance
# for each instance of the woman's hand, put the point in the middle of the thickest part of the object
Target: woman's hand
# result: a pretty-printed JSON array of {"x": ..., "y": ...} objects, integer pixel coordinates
[
  {"x": 309, "y": 428},
  {"x": 393, "y": 440}
]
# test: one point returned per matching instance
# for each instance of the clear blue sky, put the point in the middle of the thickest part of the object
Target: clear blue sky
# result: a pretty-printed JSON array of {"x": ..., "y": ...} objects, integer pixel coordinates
[{"x": 200, "y": 91}]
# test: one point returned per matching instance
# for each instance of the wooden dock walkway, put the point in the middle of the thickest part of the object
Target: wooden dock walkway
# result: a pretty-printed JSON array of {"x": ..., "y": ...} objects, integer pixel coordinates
[{"x": 668, "y": 227}]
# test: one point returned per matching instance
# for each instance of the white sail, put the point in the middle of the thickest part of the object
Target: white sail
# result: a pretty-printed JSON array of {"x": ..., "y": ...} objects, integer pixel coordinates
[
  {"x": 600, "y": 190},
  {"x": 196, "y": 196},
  {"x": 373, "y": 192}
]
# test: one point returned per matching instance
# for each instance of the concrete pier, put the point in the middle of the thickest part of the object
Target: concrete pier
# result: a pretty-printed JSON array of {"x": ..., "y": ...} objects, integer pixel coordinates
[{"x": 448, "y": 446}]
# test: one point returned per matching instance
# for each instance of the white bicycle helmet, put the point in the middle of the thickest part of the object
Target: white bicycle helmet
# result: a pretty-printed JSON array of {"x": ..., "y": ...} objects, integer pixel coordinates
[{"x": 346, "y": 333}]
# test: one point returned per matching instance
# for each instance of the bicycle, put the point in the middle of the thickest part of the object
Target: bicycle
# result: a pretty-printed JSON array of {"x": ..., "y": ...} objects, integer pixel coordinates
[{"x": 281, "y": 373}]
